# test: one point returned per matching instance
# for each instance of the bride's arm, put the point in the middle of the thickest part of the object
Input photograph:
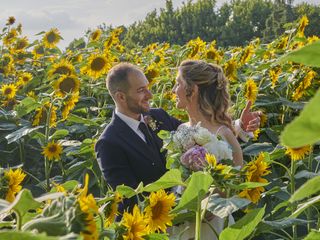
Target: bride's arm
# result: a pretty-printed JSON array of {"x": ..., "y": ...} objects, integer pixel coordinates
[{"x": 236, "y": 148}]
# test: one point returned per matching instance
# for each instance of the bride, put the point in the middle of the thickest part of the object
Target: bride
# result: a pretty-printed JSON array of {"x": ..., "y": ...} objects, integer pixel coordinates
[{"x": 201, "y": 89}]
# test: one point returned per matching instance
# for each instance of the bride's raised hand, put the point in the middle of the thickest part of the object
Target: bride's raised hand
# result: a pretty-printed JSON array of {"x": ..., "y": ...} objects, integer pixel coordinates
[{"x": 250, "y": 121}]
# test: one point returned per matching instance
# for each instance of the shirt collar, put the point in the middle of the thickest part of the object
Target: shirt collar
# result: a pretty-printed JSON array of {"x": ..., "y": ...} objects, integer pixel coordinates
[{"x": 133, "y": 123}]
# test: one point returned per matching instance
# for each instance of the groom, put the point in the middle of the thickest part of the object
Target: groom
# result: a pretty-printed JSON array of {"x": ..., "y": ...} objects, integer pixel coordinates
[{"x": 128, "y": 150}]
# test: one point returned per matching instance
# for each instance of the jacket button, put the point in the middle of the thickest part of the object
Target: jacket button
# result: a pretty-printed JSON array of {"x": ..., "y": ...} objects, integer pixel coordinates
[{"x": 153, "y": 164}]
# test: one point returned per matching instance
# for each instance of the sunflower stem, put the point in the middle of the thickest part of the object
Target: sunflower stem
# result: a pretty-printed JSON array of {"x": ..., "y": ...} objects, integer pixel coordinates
[
  {"x": 47, "y": 174},
  {"x": 21, "y": 152},
  {"x": 292, "y": 188},
  {"x": 198, "y": 222}
]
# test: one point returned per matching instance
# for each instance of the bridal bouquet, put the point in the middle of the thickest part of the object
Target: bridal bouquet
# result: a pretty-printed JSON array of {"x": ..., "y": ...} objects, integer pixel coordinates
[{"x": 192, "y": 147}]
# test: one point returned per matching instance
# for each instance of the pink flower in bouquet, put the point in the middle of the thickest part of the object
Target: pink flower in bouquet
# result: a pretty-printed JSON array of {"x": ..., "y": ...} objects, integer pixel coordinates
[{"x": 195, "y": 158}]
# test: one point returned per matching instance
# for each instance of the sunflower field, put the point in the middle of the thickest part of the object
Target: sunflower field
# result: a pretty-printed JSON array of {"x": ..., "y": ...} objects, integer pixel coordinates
[{"x": 54, "y": 105}]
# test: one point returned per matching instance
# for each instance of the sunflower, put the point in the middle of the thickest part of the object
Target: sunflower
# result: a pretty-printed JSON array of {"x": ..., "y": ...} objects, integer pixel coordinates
[
  {"x": 20, "y": 44},
  {"x": 88, "y": 206},
  {"x": 7, "y": 60},
  {"x": 230, "y": 69},
  {"x": 19, "y": 28},
  {"x": 97, "y": 65},
  {"x": 158, "y": 58},
  {"x": 63, "y": 67},
  {"x": 11, "y": 20},
  {"x": 282, "y": 44},
  {"x": 95, "y": 35},
  {"x": 263, "y": 119},
  {"x": 252, "y": 194},
  {"x": 150, "y": 47},
  {"x": 247, "y": 54},
  {"x": 151, "y": 73},
  {"x": 257, "y": 168},
  {"x": 251, "y": 90},
  {"x": 21, "y": 57},
  {"x": 112, "y": 209},
  {"x": 32, "y": 95},
  {"x": 41, "y": 115},
  {"x": 9, "y": 90},
  {"x": 14, "y": 180},
  {"x": 299, "y": 153},
  {"x": 52, "y": 151},
  {"x": 135, "y": 224},
  {"x": 313, "y": 39},
  {"x": 254, "y": 172},
  {"x": 213, "y": 54},
  {"x": 274, "y": 75},
  {"x": 196, "y": 46},
  {"x": 69, "y": 104},
  {"x": 304, "y": 84},
  {"x": 25, "y": 77},
  {"x": 304, "y": 21},
  {"x": 51, "y": 38},
  {"x": 10, "y": 37},
  {"x": 66, "y": 84},
  {"x": 9, "y": 103},
  {"x": 211, "y": 159},
  {"x": 157, "y": 212},
  {"x": 77, "y": 58},
  {"x": 91, "y": 230},
  {"x": 256, "y": 134},
  {"x": 38, "y": 51}
]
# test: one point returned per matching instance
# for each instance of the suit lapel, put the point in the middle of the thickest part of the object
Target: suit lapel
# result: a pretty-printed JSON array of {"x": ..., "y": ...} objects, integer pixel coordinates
[{"x": 132, "y": 139}]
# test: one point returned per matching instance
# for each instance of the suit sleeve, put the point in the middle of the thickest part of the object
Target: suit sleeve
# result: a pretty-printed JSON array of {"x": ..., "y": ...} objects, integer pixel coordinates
[
  {"x": 114, "y": 164},
  {"x": 116, "y": 170},
  {"x": 174, "y": 123}
]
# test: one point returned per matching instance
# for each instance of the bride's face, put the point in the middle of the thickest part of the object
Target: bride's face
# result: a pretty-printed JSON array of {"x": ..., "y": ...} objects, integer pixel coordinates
[{"x": 180, "y": 90}]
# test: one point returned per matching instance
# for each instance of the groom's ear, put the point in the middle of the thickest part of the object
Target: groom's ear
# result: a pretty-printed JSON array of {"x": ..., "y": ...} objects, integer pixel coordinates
[{"x": 120, "y": 96}]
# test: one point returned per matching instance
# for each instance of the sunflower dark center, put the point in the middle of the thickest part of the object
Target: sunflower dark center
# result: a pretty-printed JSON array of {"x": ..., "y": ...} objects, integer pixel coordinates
[
  {"x": 39, "y": 50},
  {"x": 52, "y": 148},
  {"x": 7, "y": 91},
  {"x": 157, "y": 210},
  {"x": 67, "y": 85},
  {"x": 25, "y": 79},
  {"x": 52, "y": 37},
  {"x": 95, "y": 35},
  {"x": 211, "y": 54},
  {"x": 62, "y": 70},
  {"x": 21, "y": 44},
  {"x": 98, "y": 64}
]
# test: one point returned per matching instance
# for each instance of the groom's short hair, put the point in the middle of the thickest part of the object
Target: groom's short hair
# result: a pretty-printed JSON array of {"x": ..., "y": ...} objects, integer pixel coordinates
[{"x": 118, "y": 77}]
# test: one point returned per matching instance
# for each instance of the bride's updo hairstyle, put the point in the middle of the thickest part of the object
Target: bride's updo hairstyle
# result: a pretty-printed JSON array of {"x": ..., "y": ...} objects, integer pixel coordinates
[{"x": 213, "y": 91}]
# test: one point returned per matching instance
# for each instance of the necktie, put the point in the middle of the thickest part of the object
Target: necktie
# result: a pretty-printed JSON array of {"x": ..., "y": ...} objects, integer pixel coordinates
[{"x": 143, "y": 128}]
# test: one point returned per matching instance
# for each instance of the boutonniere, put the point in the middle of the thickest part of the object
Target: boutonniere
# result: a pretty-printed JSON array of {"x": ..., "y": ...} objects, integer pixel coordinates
[{"x": 152, "y": 123}]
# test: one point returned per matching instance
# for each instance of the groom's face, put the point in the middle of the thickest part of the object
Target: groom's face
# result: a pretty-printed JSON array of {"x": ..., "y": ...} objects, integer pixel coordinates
[{"x": 138, "y": 94}]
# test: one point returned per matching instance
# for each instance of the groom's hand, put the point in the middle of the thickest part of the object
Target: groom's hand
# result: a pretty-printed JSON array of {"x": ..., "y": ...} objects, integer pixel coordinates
[{"x": 250, "y": 121}]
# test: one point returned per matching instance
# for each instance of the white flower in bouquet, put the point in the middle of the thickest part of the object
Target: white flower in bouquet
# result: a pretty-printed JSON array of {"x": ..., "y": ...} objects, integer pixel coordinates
[
  {"x": 183, "y": 137},
  {"x": 202, "y": 135},
  {"x": 219, "y": 148}
]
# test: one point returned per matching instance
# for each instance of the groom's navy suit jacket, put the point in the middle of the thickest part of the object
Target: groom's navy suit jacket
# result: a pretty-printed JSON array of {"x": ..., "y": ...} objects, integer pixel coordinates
[{"x": 125, "y": 158}]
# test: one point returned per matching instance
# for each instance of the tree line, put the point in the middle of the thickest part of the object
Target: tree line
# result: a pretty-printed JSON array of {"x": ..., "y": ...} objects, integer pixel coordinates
[{"x": 233, "y": 24}]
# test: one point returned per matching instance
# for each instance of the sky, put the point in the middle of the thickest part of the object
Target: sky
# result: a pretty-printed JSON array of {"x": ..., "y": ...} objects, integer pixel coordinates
[{"x": 74, "y": 17}]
